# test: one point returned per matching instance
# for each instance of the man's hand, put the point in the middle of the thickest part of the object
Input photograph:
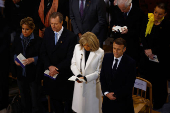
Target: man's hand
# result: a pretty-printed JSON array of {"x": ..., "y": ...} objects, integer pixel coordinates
[
  {"x": 53, "y": 71},
  {"x": 124, "y": 30},
  {"x": 110, "y": 96},
  {"x": 28, "y": 61}
]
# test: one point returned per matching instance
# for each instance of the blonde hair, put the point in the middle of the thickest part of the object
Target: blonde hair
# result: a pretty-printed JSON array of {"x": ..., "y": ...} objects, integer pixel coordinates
[
  {"x": 29, "y": 22},
  {"x": 90, "y": 39}
]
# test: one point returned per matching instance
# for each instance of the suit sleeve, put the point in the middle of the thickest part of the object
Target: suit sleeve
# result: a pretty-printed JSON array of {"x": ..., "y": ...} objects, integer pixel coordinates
[
  {"x": 103, "y": 79},
  {"x": 101, "y": 10},
  {"x": 72, "y": 17},
  {"x": 96, "y": 74}
]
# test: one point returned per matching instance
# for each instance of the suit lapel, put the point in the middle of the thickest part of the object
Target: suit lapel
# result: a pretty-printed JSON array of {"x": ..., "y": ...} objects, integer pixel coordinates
[
  {"x": 87, "y": 5},
  {"x": 91, "y": 55}
]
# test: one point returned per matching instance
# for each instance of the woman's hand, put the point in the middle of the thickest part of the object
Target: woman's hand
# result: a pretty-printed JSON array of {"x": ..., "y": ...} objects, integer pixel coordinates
[
  {"x": 17, "y": 63},
  {"x": 80, "y": 78},
  {"x": 28, "y": 61}
]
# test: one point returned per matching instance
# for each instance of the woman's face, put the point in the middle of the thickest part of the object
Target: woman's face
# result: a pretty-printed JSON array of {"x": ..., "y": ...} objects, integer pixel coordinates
[
  {"x": 86, "y": 47},
  {"x": 26, "y": 30},
  {"x": 159, "y": 13}
]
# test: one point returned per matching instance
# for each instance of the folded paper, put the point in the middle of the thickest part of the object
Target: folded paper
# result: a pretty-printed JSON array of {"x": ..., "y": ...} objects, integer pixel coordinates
[
  {"x": 20, "y": 59},
  {"x": 46, "y": 73},
  {"x": 74, "y": 78}
]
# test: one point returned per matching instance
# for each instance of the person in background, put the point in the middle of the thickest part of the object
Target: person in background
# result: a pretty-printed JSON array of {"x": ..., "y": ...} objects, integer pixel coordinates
[
  {"x": 46, "y": 8},
  {"x": 4, "y": 70},
  {"x": 56, "y": 53},
  {"x": 86, "y": 64},
  {"x": 126, "y": 13},
  {"x": 28, "y": 45},
  {"x": 89, "y": 15},
  {"x": 117, "y": 79},
  {"x": 155, "y": 40}
]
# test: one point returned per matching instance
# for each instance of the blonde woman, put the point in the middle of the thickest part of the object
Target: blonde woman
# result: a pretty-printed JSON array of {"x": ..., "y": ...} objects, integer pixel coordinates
[{"x": 86, "y": 64}]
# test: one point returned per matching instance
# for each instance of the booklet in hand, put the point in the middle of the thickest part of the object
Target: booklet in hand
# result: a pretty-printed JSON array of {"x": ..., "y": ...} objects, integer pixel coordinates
[
  {"x": 73, "y": 78},
  {"x": 46, "y": 73},
  {"x": 20, "y": 59}
]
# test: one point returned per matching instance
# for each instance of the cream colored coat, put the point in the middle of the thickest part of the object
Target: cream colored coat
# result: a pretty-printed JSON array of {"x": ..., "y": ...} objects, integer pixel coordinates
[{"x": 87, "y": 97}]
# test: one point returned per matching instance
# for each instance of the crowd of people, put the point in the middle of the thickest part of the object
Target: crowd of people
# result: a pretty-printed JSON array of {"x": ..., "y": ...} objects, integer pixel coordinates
[{"x": 103, "y": 82}]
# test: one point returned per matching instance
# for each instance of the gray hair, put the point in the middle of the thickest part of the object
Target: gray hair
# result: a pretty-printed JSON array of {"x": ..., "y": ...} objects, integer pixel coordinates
[{"x": 125, "y": 2}]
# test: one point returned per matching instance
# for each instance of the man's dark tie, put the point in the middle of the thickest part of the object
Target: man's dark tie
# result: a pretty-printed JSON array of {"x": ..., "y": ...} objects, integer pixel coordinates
[
  {"x": 81, "y": 8},
  {"x": 125, "y": 15},
  {"x": 115, "y": 66}
]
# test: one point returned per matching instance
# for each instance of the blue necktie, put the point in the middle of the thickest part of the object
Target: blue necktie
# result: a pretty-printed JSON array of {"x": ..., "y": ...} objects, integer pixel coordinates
[
  {"x": 81, "y": 8},
  {"x": 56, "y": 38}
]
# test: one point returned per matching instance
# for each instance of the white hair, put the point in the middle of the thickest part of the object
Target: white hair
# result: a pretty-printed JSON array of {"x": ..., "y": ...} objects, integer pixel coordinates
[{"x": 125, "y": 2}]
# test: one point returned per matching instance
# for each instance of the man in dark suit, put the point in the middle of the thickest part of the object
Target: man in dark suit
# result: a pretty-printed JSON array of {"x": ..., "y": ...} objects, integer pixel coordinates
[
  {"x": 117, "y": 79},
  {"x": 89, "y": 15},
  {"x": 128, "y": 14},
  {"x": 57, "y": 51}
]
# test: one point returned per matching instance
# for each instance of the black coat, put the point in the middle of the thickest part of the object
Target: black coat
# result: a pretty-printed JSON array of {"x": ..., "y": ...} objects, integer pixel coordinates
[
  {"x": 121, "y": 83},
  {"x": 58, "y": 55},
  {"x": 32, "y": 50},
  {"x": 133, "y": 22}
]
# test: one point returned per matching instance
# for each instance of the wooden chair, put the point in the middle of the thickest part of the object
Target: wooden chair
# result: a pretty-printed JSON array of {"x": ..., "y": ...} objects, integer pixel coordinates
[{"x": 141, "y": 103}]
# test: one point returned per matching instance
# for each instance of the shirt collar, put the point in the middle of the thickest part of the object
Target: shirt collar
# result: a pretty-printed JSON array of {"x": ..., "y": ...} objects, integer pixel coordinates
[
  {"x": 118, "y": 58},
  {"x": 59, "y": 33},
  {"x": 31, "y": 36}
]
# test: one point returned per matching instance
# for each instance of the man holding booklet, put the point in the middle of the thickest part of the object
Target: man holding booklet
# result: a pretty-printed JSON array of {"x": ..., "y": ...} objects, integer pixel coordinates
[{"x": 56, "y": 52}]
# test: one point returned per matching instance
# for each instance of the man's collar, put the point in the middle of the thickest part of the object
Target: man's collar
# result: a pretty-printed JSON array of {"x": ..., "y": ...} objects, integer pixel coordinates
[{"x": 59, "y": 31}]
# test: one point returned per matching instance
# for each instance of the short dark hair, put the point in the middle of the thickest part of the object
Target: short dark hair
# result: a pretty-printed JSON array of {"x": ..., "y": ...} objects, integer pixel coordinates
[
  {"x": 120, "y": 41},
  {"x": 162, "y": 5},
  {"x": 55, "y": 14}
]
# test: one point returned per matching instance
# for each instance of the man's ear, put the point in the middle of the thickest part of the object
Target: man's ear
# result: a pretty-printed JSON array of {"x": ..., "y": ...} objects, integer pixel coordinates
[{"x": 124, "y": 49}]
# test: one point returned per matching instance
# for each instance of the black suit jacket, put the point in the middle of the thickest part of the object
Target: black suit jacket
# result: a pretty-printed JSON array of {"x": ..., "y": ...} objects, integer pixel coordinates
[
  {"x": 133, "y": 22},
  {"x": 93, "y": 20},
  {"x": 32, "y": 50},
  {"x": 58, "y": 55},
  {"x": 121, "y": 83}
]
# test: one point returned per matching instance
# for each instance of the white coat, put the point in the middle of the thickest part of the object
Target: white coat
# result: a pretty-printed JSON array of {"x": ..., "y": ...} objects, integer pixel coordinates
[{"x": 87, "y": 97}]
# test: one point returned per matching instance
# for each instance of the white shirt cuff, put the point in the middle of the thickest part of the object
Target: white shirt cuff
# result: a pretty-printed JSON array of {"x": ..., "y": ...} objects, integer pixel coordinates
[{"x": 105, "y": 93}]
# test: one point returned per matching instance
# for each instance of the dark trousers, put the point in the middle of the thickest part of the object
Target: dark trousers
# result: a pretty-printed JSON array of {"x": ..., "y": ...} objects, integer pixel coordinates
[
  {"x": 156, "y": 74},
  {"x": 30, "y": 96},
  {"x": 4, "y": 90},
  {"x": 60, "y": 106}
]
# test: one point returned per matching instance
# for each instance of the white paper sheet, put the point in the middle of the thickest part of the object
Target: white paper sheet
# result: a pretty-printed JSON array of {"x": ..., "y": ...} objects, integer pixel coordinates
[
  {"x": 140, "y": 84},
  {"x": 73, "y": 78}
]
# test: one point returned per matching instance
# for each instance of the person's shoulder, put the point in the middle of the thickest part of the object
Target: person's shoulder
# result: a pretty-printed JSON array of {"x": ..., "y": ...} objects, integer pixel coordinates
[
  {"x": 69, "y": 33},
  {"x": 128, "y": 58},
  {"x": 100, "y": 50},
  {"x": 108, "y": 55}
]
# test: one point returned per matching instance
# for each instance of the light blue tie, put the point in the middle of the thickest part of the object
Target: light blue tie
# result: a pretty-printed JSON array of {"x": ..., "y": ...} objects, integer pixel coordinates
[{"x": 56, "y": 38}]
